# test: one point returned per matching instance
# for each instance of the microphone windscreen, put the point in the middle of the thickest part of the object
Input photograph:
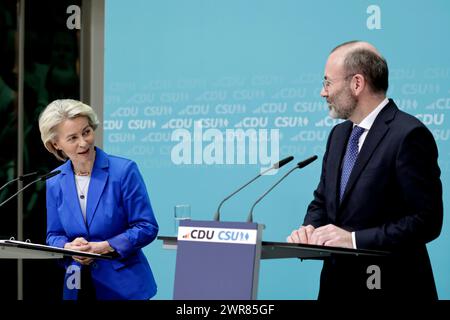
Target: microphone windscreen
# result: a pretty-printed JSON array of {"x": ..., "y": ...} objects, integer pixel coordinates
[
  {"x": 281, "y": 163},
  {"x": 304, "y": 163}
]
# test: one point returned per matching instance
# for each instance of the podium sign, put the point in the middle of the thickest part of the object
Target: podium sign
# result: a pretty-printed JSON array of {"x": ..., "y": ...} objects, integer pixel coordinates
[{"x": 217, "y": 260}]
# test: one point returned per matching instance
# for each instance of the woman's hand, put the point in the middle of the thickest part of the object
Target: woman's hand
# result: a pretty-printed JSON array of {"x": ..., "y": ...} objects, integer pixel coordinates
[
  {"x": 101, "y": 247},
  {"x": 80, "y": 244}
]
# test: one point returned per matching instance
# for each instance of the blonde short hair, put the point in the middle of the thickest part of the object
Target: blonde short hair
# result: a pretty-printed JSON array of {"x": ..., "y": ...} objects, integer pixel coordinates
[{"x": 57, "y": 112}]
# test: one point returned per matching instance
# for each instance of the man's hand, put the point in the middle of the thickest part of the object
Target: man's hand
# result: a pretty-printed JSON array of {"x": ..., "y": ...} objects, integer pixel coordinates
[
  {"x": 301, "y": 235},
  {"x": 330, "y": 235}
]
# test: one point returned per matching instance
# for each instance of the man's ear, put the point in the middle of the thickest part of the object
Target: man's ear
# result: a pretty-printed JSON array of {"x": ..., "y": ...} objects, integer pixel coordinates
[
  {"x": 56, "y": 146},
  {"x": 358, "y": 84}
]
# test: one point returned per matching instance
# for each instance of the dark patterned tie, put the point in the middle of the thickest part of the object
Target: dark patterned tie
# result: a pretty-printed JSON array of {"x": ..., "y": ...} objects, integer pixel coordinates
[{"x": 350, "y": 158}]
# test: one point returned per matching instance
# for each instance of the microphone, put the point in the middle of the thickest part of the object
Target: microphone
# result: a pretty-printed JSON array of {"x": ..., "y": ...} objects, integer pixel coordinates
[
  {"x": 304, "y": 163},
  {"x": 41, "y": 178},
  {"x": 21, "y": 178},
  {"x": 299, "y": 165},
  {"x": 281, "y": 163},
  {"x": 277, "y": 165},
  {"x": 48, "y": 175}
]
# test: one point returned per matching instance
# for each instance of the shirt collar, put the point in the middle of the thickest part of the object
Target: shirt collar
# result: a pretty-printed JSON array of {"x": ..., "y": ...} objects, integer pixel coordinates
[{"x": 368, "y": 121}]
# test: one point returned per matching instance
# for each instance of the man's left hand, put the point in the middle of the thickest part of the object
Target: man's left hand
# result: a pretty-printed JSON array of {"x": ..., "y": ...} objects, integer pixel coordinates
[{"x": 330, "y": 235}]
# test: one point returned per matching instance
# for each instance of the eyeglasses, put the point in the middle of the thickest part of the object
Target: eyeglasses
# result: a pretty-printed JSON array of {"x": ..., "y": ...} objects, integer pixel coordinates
[{"x": 326, "y": 83}]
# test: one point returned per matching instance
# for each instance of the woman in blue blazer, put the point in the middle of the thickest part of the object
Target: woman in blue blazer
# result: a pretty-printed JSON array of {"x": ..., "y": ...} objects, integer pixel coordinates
[{"x": 98, "y": 204}]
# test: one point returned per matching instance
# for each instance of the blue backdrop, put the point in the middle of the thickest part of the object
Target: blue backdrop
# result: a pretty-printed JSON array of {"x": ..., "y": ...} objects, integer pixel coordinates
[{"x": 258, "y": 65}]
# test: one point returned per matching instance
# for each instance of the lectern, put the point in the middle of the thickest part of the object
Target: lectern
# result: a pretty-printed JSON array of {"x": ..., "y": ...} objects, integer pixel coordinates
[
  {"x": 12, "y": 249},
  {"x": 220, "y": 260}
]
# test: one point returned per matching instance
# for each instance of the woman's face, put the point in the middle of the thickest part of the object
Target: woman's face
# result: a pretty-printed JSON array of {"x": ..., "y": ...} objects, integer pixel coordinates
[{"x": 76, "y": 138}]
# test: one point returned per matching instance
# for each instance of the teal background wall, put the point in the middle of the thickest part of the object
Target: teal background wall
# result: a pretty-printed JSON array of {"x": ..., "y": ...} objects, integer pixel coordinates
[{"x": 258, "y": 65}]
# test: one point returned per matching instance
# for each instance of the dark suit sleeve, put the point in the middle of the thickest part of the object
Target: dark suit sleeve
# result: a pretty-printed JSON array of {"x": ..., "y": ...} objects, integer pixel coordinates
[
  {"x": 316, "y": 214},
  {"x": 418, "y": 178}
]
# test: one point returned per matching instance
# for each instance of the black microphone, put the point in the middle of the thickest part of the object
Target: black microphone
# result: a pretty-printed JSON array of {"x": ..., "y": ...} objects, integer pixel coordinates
[
  {"x": 41, "y": 178},
  {"x": 48, "y": 175},
  {"x": 281, "y": 163},
  {"x": 304, "y": 163},
  {"x": 277, "y": 165},
  {"x": 21, "y": 178},
  {"x": 299, "y": 165}
]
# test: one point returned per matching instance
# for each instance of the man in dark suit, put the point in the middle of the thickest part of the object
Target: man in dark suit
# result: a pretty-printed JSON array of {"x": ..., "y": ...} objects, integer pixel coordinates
[{"x": 380, "y": 186}]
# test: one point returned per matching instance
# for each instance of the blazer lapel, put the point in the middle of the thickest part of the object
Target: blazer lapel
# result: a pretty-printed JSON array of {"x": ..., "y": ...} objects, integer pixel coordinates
[
  {"x": 99, "y": 177},
  {"x": 373, "y": 139},
  {"x": 67, "y": 185}
]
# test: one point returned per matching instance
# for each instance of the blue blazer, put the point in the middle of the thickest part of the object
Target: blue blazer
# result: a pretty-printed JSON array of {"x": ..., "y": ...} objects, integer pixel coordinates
[
  {"x": 118, "y": 210},
  {"x": 393, "y": 202}
]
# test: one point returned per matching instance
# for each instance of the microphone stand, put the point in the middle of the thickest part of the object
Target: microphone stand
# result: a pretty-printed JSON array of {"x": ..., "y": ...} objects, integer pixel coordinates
[
  {"x": 250, "y": 215},
  {"x": 42, "y": 178},
  {"x": 217, "y": 214},
  {"x": 299, "y": 165},
  {"x": 277, "y": 165},
  {"x": 18, "y": 178}
]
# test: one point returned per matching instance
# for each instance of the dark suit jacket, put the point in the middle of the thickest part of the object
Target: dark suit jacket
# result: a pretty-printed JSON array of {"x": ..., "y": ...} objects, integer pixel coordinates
[{"x": 393, "y": 202}]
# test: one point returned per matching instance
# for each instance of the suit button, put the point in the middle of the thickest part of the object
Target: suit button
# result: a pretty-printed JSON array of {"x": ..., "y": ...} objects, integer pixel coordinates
[{"x": 94, "y": 265}]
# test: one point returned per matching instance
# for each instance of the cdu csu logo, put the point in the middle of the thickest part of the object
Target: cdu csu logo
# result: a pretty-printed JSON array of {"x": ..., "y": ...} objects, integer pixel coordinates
[
  {"x": 233, "y": 235},
  {"x": 202, "y": 234},
  {"x": 241, "y": 236}
]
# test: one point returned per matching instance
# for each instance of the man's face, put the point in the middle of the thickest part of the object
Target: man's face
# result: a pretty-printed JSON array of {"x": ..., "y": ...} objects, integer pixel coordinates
[{"x": 336, "y": 88}]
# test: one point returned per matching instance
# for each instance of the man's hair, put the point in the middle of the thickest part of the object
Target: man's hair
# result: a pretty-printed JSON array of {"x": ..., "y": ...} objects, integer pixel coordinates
[{"x": 369, "y": 63}]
